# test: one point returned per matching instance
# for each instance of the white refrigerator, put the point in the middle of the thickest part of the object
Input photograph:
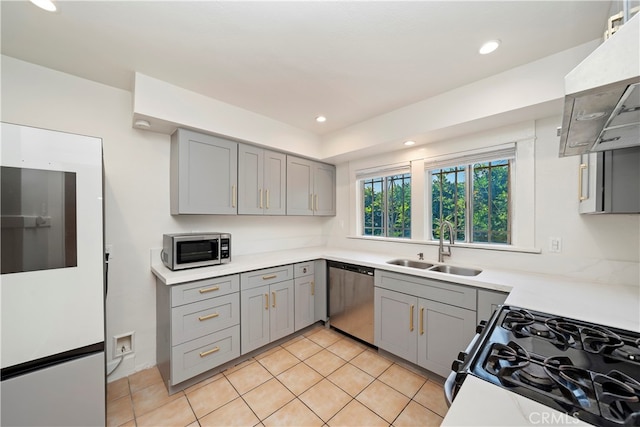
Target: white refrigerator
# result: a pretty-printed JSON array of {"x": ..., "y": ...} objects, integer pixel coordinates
[{"x": 52, "y": 288}]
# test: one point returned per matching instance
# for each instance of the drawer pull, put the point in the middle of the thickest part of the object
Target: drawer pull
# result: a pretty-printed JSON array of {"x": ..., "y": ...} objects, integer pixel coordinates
[
  {"x": 313, "y": 288},
  {"x": 208, "y": 316},
  {"x": 411, "y": 318},
  {"x": 211, "y": 289},
  {"x": 273, "y": 294},
  {"x": 266, "y": 301},
  {"x": 271, "y": 276},
  {"x": 208, "y": 352},
  {"x": 421, "y": 320}
]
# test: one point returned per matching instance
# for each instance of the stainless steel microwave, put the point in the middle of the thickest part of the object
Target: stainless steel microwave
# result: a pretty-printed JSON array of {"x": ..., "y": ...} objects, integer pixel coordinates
[{"x": 189, "y": 250}]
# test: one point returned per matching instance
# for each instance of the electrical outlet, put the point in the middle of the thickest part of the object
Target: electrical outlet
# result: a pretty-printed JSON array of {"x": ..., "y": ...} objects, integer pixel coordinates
[
  {"x": 108, "y": 249},
  {"x": 555, "y": 244},
  {"x": 123, "y": 344}
]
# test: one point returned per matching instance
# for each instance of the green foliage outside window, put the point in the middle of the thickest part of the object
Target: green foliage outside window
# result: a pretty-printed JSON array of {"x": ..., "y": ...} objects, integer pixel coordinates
[
  {"x": 387, "y": 206},
  {"x": 487, "y": 207}
]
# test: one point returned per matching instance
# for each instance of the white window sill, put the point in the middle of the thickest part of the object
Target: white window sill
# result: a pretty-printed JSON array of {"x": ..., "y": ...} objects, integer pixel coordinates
[{"x": 484, "y": 246}]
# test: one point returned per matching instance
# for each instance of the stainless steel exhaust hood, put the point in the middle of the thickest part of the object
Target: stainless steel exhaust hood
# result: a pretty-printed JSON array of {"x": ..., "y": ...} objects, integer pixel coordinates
[{"x": 602, "y": 101}]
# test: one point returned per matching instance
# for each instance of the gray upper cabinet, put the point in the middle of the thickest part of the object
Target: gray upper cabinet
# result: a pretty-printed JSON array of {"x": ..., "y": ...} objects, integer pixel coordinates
[
  {"x": 204, "y": 173},
  {"x": 311, "y": 187},
  {"x": 261, "y": 181}
]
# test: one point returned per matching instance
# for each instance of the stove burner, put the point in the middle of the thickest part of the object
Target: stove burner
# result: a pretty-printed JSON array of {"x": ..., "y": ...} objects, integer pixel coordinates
[
  {"x": 629, "y": 351},
  {"x": 564, "y": 328},
  {"x": 596, "y": 339},
  {"x": 517, "y": 319},
  {"x": 504, "y": 360},
  {"x": 540, "y": 330},
  {"x": 574, "y": 383},
  {"x": 535, "y": 376},
  {"x": 619, "y": 397}
]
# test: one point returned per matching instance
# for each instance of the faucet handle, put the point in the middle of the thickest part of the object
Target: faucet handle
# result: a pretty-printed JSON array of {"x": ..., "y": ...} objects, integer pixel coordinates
[{"x": 421, "y": 256}]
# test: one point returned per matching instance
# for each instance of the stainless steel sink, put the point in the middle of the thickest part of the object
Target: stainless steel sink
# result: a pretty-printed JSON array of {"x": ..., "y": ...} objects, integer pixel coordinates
[
  {"x": 451, "y": 269},
  {"x": 410, "y": 263}
]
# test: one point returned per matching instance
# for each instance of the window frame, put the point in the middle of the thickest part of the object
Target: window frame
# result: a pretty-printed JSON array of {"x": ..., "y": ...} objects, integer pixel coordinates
[
  {"x": 467, "y": 163},
  {"x": 469, "y": 181},
  {"x": 386, "y": 186}
]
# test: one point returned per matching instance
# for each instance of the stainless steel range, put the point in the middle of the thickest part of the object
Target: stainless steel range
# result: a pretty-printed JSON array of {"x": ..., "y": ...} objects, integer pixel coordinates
[{"x": 588, "y": 371}]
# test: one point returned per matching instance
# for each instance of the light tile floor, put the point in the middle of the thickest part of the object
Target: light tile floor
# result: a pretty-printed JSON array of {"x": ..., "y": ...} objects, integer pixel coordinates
[{"x": 321, "y": 378}]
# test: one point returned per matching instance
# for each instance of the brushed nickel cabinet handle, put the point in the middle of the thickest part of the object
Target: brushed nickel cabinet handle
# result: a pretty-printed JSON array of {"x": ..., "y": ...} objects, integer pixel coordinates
[
  {"x": 266, "y": 301},
  {"x": 261, "y": 198},
  {"x": 411, "y": 318},
  {"x": 582, "y": 167},
  {"x": 316, "y": 204},
  {"x": 273, "y": 295},
  {"x": 233, "y": 196},
  {"x": 211, "y": 289},
  {"x": 421, "y": 320},
  {"x": 311, "y": 201},
  {"x": 208, "y": 316},
  {"x": 270, "y": 276},
  {"x": 268, "y": 199},
  {"x": 313, "y": 288},
  {"x": 208, "y": 352}
]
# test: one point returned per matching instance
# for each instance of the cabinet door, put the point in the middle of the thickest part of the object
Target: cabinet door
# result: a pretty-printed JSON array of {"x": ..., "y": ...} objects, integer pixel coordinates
[
  {"x": 275, "y": 183},
  {"x": 299, "y": 186},
  {"x": 488, "y": 302},
  {"x": 281, "y": 311},
  {"x": 324, "y": 189},
  {"x": 443, "y": 331},
  {"x": 395, "y": 323},
  {"x": 254, "y": 318},
  {"x": 320, "y": 290},
  {"x": 204, "y": 172},
  {"x": 250, "y": 180},
  {"x": 305, "y": 301}
]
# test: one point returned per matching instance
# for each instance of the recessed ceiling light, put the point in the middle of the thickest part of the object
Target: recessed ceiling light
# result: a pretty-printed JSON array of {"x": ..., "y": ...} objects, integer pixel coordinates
[
  {"x": 409, "y": 142},
  {"x": 47, "y": 5},
  {"x": 489, "y": 47},
  {"x": 321, "y": 119}
]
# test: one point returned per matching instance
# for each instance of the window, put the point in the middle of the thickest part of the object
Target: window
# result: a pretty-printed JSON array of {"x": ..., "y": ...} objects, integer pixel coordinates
[
  {"x": 386, "y": 206},
  {"x": 475, "y": 198}
]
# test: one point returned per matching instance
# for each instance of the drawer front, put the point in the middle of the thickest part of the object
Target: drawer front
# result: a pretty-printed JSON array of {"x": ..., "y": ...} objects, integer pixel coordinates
[
  {"x": 267, "y": 276},
  {"x": 202, "y": 318},
  {"x": 204, "y": 289},
  {"x": 434, "y": 290},
  {"x": 303, "y": 269},
  {"x": 198, "y": 356}
]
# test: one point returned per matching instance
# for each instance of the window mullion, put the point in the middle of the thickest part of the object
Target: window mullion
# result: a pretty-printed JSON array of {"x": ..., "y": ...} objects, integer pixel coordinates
[{"x": 469, "y": 206}]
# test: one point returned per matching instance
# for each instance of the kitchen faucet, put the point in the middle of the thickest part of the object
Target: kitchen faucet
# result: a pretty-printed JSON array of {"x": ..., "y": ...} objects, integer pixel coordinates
[{"x": 441, "y": 252}]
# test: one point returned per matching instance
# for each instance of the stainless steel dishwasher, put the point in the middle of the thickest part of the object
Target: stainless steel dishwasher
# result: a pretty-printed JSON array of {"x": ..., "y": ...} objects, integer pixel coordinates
[{"x": 351, "y": 300}]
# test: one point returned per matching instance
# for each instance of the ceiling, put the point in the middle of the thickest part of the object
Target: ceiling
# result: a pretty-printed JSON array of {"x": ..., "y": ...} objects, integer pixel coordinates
[{"x": 292, "y": 61}]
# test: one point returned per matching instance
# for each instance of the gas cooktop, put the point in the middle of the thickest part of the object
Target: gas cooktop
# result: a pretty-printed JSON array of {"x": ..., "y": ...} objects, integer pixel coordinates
[{"x": 588, "y": 371}]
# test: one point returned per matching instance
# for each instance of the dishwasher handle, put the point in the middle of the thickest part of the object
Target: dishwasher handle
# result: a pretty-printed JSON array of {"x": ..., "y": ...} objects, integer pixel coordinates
[{"x": 351, "y": 267}]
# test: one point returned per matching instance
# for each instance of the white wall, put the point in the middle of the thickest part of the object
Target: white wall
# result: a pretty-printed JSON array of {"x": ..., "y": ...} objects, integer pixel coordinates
[
  {"x": 136, "y": 193},
  {"x": 595, "y": 248}
]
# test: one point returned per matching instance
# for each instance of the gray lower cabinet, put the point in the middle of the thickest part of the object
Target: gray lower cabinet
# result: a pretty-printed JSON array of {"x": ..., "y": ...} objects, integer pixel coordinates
[
  {"x": 488, "y": 302},
  {"x": 426, "y": 322},
  {"x": 198, "y": 327},
  {"x": 204, "y": 174},
  {"x": 267, "y": 301},
  {"x": 305, "y": 294},
  {"x": 443, "y": 331}
]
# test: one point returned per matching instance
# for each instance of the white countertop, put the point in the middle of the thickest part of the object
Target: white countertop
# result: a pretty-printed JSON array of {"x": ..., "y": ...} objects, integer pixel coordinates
[{"x": 478, "y": 402}]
